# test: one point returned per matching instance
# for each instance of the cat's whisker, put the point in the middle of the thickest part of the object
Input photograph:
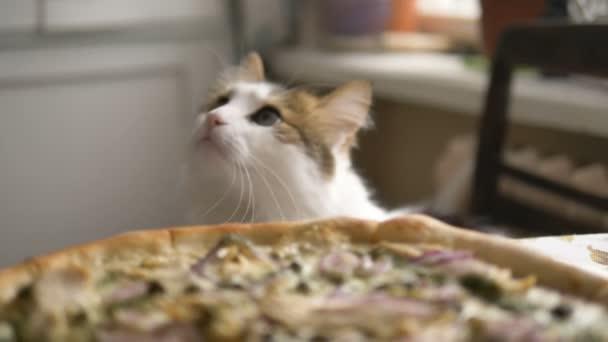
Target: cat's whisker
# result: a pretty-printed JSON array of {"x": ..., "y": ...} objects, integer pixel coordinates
[
  {"x": 281, "y": 182},
  {"x": 242, "y": 186},
  {"x": 240, "y": 195},
  {"x": 265, "y": 181},
  {"x": 252, "y": 194},
  {"x": 242, "y": 220},
  {"x": 272, "y": 194},
  {"x": 240, "y": 151},
  {"x": 223, "y": 196}
]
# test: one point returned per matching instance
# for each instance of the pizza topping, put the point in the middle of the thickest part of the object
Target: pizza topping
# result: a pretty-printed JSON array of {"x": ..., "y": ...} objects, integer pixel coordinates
[
  {"x": 232, "y": 261},
  {"x": 437, "y": 257},
  {"x": 141, "y": 320},
  {"x": 303, "y": 288},
  {"x": 383, "y": 304},
  {"x": 561, "y": 311},
  {"x": 370, "y": 267},
  {"x": 289, "y": 309},
  {"x": 339, "y": 264},
  {"x": 25, "y": 292},
  {"x": 170, "y": 333},
  {"x": 481, "y": 287},
  {"x": 516, "y": 305},
  {"x": 62, "y": 290},
  {"x": 127, "y": 291},
  {"x": 516, "y": 329},
  {"x": 155, "y": 287},
  {"x": 315, "y": 285},
  {"x": 400, "y": 249},
  {"x": 199, "y": 266}
]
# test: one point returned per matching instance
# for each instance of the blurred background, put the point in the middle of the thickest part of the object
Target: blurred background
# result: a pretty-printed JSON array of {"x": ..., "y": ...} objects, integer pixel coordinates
[{"x": 97, "y": 100}]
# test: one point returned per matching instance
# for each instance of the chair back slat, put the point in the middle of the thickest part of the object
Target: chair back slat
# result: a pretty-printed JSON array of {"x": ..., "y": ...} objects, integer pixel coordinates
[
  {"x": 585, "y": 198},
  {"x": 581, "y": 48},
  {"x": 552, "y": 47}
]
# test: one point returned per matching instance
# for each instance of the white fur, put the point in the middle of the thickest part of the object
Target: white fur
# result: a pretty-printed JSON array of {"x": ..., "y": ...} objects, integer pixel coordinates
[{"x": 246, "y": 175}]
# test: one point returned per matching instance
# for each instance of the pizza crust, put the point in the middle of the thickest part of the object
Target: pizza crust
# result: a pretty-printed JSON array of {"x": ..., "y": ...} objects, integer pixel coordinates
[
  {"x": 504, "y": 252},
  {"x": 413, "y": 228},
  {"x": 193, "y": 238},
  {"x": 12, "y": 279},
  {"x": 91, "y": 255}
]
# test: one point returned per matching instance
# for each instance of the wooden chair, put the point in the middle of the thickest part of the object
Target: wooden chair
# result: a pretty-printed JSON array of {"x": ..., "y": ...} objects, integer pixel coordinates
[{"x": 581, "y": 49}]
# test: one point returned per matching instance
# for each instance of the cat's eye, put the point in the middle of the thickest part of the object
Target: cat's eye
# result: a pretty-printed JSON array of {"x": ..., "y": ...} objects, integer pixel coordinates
[
  {"x": 222, "y": 100},
  {"x": 267, "y": 116}
]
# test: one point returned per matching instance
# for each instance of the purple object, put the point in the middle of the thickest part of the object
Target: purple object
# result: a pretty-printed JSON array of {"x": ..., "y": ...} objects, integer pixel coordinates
[
  {"x": 441, "y": 257},
  {"x": 128, "y": 291},
  {"x": 382, "y": 303},
  {"x": 356, "y": 17}
]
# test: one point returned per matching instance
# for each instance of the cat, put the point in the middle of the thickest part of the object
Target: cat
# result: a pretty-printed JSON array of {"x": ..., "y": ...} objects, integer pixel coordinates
[{"x": 261, "y": 152}]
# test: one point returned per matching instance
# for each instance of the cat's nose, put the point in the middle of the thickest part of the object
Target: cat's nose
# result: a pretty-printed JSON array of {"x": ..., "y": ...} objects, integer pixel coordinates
[{"x": 214, "y": 120}]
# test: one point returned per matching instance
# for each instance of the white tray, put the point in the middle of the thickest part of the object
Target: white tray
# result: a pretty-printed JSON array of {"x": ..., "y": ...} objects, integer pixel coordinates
[{"x": 573, "y": 249}]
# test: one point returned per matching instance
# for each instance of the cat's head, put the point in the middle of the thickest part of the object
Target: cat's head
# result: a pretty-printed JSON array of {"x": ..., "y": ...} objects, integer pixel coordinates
[{"x": 250, "y": 120}]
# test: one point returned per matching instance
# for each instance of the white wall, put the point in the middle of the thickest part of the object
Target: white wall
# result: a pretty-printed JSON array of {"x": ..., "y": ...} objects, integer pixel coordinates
[{"x": 93, "y": 126}]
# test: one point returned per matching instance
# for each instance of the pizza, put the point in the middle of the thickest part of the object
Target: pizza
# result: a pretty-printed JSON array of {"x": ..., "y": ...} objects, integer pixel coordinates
[{"x": 407, "y": 279}]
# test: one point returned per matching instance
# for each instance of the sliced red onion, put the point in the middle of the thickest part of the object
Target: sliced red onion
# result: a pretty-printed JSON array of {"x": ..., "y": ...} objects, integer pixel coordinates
[
  {"x": 381, "y": 303},
  {"x": 144, "y": 321},
  {"x": 339, "y": 263},
  {"x": 350, "y": 336},
  {"x": 198, "y": 267},
  {"x": 447, "y": 293},
  {"x": 257, "y": 289},
  {"x": 514, "y": 330},
  {"x": 128, "y": 291},
  {"x": 467, "y": 266},
  {"x": 340, "y": 291},
  {"x": 438, "y": 257},
  {"x": 178, "y": 332},
  {"x": 368, "y": 267}
]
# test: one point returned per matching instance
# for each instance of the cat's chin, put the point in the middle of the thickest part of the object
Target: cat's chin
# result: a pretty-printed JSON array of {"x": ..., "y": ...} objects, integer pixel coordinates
[{"x": 211, "y": 149}]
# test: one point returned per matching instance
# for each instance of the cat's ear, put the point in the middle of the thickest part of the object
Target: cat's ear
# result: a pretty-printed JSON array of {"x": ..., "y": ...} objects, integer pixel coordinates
[
  {"x": 252, "y": 67},
  {"x": 345, "y": 111}
]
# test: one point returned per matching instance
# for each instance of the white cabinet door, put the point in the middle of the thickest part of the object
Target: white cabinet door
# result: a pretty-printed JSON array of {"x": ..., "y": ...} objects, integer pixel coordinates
[
  {"x": 17, "y": 15},
  {"x": 86, "y": 157},
  {"x": 61, "y": 15}
]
